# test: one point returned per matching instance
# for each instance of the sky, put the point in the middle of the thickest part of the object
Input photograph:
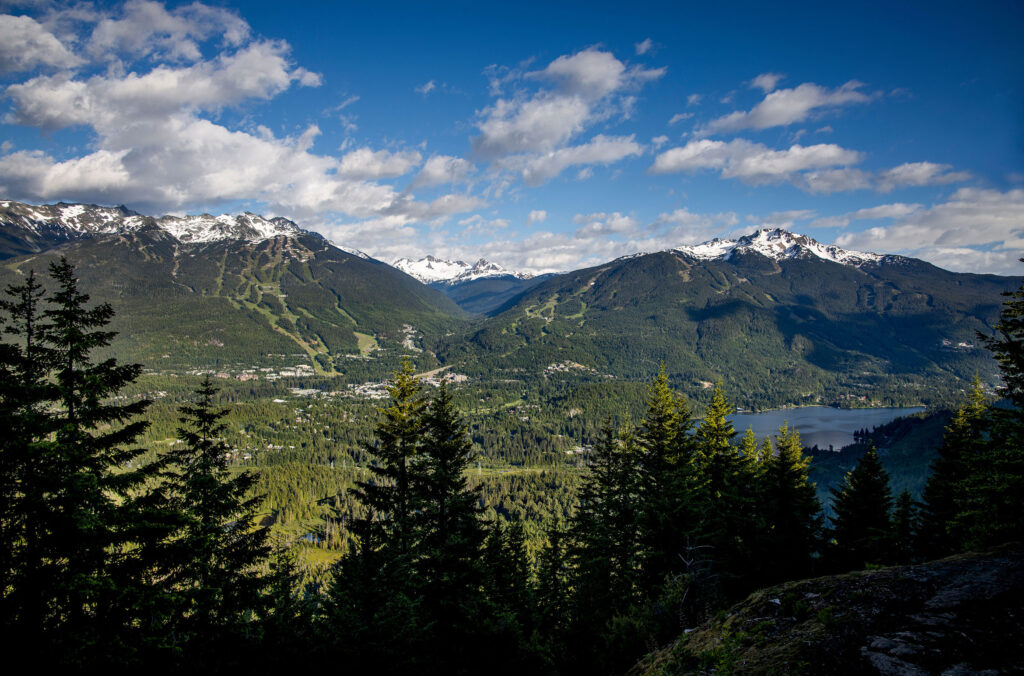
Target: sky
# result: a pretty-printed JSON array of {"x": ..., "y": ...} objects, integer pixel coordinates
[{"x": 542, "y": 136}]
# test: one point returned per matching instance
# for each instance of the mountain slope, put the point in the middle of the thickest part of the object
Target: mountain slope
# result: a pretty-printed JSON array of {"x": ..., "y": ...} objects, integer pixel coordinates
[
  {"x": 235, "y": 292},
  {"x": 959, "y": 615},
  {"x": 782, "y": 325}
]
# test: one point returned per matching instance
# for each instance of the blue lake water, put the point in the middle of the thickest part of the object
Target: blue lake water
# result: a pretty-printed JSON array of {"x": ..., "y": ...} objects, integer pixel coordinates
[{"x": 819, "y": 425}]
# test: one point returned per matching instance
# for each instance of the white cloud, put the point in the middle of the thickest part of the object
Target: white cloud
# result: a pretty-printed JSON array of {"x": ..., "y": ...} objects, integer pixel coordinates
[
  {"x": 440, "y": 169},
  {"x": 106, "y": 102},
  {"x": 916, "y": 174},
  {"x": 155, "y": 147},
  {"x": 603, "y": 224},
  {"x": 536, "y": 216},
  {"x": 752, "y": 163},
  {"x": 836, "y": 180},
  {"x": 148, "y": 29},
  {"x": 601, "y": 150},
  {"x": 786, "y": 219},
  {"x": 693, "y": 99},
  {"x": 531, "y": 132},
  {"x": 426, "y": 87},
  {"x": 895, "y": 210},
  {"x": 679, "y": 117},
  {"x": 659, "y": 141},
  {"x": 766, "y": 82},
  {"x": 364, "y": 163},
  {"x": 783, "y": 107},
  {"x": 644, "y": 46},
  {"x": 974, "y": 230},
  {"x": 25, "y": 44}
]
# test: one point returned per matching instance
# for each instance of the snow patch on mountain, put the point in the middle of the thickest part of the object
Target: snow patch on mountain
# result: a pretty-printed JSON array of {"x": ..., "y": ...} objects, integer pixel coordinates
[
  {"x": 245, "y": 226},
  {"x": 778, "y": 244},
  {"x": 432, "y": 270},
  {"x": 62, "y": 222}
]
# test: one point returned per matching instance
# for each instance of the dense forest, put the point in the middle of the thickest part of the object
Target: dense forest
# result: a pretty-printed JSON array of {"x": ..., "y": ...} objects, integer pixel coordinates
[{"x": 119, "y": 555}]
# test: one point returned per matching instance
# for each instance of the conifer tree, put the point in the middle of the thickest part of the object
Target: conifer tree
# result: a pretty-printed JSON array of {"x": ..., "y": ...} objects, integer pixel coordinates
[
  {"x": 904, "y": 529},
  {"x": 87, "y": 516},
  {"x": 670, "y": 481},
  {"x": 943, "y": 497},
  {"x": 792, "y": 514},
  {"x": 371, "y": 612},
  {"x": 450, "y": 534},
  {"x": 992, "y": 493},
  {"x": 861, "y": 528},
  {"x": 218, "y": 552},
  {"x": 728, "y": 518},
  {"x": 24, "y": 396}
]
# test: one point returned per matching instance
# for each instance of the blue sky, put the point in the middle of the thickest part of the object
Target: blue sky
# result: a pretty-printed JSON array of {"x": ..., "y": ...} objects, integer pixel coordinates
[{"x": 542, "y": 136}]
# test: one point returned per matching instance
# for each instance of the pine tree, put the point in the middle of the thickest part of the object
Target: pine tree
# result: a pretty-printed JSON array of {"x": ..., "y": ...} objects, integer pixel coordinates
[
  {"x": 449, "y": 535},
  {"x": 371, "y": 614},
  {"x": 90, "y": 479},
  {"x": 390, "y": 496},
  {"x": 218, "y": 553},
  {"x": 943, "y": 497},
  {"x": 861, "y": 527},
  {"x": 791, "y": 510},
  {"x": 904, "y": 529},
  {"x": 992, "y": 493},
  {"x": 728, "y": 518},
  {"x": 24, "y": 398},
  {"x": 670, "y": 482}
]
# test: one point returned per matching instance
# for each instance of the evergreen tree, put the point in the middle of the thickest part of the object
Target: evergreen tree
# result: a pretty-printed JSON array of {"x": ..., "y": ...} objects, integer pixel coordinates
[
  {"x": 861, "y": 527},
  {"x": 943, "y": 496},
  {"x": 450, "y": 535},
  {"x": 728, "y": 517},
  {"x": 218, "y": 553},
  {"x": 81, "y": 591},
  {"x": 24, "y": 398},
  {"x": 670, "y": 482},
  {"x": 371, "y": 613},
  {"x": 992, "y": 493},
  {"x": 791, "y": 511},
  {"x": 904, "y": 529}
]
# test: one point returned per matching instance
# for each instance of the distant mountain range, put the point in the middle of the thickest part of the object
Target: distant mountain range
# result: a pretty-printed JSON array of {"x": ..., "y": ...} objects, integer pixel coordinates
[
  {"x": 779, "y": 317},
  {"x": 236, "y": 292}
]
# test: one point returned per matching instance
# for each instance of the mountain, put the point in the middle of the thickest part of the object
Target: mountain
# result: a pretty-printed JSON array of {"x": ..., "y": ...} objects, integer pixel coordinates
[
  {"x": 236, "y": 292},
  {"x": 480, "y": 288},
  {"x": 778, "y": 317},
  {"x": 952, "y": 616},
  {"x": 432, "y": 270}
]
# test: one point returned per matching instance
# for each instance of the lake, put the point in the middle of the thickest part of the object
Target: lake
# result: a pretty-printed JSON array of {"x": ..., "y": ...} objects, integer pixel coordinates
[{"x": 819, "y": 425}]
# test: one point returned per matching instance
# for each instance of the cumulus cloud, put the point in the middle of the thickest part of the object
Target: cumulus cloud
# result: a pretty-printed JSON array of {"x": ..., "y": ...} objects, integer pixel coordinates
[
  {"x": 752, "y": 163},
  {"x": 536, "y": 216},
  {"x": 766, "y": 82},
  {"x": 679, "y": 117},
  {"x": 644, "y": 46},
  {"x": 895, "y": 210},
  {"x": 364, "y": 163},
  {"x": 783, "y": 107},
  {"x": 601, "y": 150},
  {"x": 974, "y": 230},
  {"x": 531, "y": 132},
  {"x": 917, "y": 174},
  {"x": 148, "y": 29},
  {"x": 440, "y": 169},
  {"x": 603, "y": 224},
  {"x": 25, "y": 44},
  {"x": 152, "y": 105}
]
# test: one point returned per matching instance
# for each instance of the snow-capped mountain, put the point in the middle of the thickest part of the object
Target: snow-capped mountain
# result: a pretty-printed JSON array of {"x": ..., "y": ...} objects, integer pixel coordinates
[
  {"x": 432, "y": 270},
  {"x": 778, "y": 244},
  {"x": 76, "y": 221}
]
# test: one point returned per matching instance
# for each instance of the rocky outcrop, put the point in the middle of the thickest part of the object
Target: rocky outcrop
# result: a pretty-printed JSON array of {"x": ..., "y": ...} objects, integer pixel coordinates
[{"x": 961, "y": 615}]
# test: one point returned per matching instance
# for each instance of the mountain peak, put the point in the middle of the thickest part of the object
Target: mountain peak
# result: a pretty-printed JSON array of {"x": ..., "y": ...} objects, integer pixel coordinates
[
  {"x": 777, "y": 244},
  {"x": 432, "y": 270}
]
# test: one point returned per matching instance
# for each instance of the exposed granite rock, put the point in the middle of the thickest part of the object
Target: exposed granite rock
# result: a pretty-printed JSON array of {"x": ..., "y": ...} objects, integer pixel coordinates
[{"x": 961, "y": 615}]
